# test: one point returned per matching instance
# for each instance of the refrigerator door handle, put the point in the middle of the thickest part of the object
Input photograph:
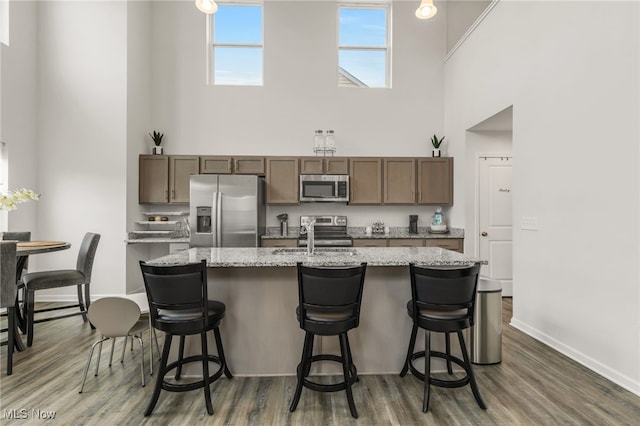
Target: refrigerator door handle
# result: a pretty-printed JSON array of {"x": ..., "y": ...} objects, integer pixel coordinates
[{"x": 219, "y": 220}]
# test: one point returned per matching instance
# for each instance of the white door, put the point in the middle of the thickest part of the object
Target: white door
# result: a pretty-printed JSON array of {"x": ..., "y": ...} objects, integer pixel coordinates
[{"x": 495, "y": 220}]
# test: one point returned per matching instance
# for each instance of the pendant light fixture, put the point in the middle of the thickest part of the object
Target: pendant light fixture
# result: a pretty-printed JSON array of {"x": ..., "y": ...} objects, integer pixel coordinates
[
  {"x": 426, "y": 10},
  {"x": 207, "y": 6}
]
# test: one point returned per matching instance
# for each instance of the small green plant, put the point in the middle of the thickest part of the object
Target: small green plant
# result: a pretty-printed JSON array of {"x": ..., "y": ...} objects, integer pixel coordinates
[
  {"x": 156, "y": 137},
  {"x": 436, "y": 142}
]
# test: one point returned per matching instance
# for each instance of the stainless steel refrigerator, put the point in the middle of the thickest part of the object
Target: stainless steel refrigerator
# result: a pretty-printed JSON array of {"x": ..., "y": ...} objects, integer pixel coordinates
[{"x": 226, "y": 210}]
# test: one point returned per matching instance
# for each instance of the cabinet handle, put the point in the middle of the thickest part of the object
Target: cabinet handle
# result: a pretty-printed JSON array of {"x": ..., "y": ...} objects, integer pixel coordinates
[
  {"x": 173, "y": 194},
  {"x": 484, "y": 234}
]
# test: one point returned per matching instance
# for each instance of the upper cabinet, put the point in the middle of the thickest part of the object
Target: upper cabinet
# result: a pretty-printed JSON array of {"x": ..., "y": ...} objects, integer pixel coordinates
[
  {"x": 216, "y": 165},
  {"x": 153, "y": 179},
  {"x": 435, "y": 180},
  {"x": 181, "y": 167},
  {"x": 165, "y": 179},
  {"x": 249, "y": 165},
  {"x": 324, "y": 165},
  {"x": 282, "y": 180},
  {"x": 365, "y": 180},
  {"x": 226, "y": 165},
  {"x": 373, "y": 180},
  {"x": 399, "y": 181}
]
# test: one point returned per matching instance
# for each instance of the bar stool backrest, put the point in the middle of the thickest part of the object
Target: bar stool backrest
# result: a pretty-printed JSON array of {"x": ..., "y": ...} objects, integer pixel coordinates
[
  {"x": 330, "y": 290},
  {"x": 444, "y": 288},
  {"x": 176, "y": 293}
]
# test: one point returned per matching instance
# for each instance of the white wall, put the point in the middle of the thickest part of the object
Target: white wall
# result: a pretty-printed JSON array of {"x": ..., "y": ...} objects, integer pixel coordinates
[
  {"x": 82, "y": 134},
  {"x": 300, "y": 93},
  {"x": 461, "y": 14},
  {"x": 570, "y": 70},
  {"x": 19, "y": 113}
]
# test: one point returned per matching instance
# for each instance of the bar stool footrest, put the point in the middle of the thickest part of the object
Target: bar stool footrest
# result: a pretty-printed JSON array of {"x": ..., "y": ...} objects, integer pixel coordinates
[
  {"x": 334, "y": 387},
  {"x": 184, "y": 387},
  {"x": 439, "y": 382}
]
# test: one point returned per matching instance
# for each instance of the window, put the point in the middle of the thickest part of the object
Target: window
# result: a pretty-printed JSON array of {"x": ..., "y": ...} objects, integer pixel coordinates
[
  {"x": 236, "y": 45},
  {"x": 364, "y": 45}
]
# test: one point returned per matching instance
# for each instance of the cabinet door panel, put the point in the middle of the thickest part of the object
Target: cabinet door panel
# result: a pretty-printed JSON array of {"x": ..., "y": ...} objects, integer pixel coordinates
[
  {"x": 455, "y": 244},
  {"x": 180, "y": 169},
  {"x": 153, "y": 179},
  {"x": 406, "y": 242},
  {"x": 282, "y": 180},
  {"x": 399, "y": 181},
  {"x": 215, "y": 165},
  {"x": 365, "y": 180},
  {"x": 369, "y": 242},
  {"x": 311, "y": 166},
  {"x": 281, "y": 242},
  {"x": 336, "y": 166},
  {"x": 249, "y": 165},
  {"x": 435, "y": 181}
]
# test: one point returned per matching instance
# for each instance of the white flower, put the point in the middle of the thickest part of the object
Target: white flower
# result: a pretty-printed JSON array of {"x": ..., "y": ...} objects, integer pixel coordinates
[{"x": 11, "y": 199}]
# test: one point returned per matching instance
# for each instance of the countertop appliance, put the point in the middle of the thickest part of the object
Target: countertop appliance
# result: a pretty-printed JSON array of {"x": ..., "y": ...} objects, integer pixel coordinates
[
  {"x": 324, "y": 188},
  {"x": 226, "y": 210},
  {"x": 329, "y": 231}
]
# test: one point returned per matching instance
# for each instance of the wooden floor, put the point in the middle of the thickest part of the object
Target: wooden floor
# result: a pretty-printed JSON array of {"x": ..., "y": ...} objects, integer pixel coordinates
[{"x": 534, "y": 385}]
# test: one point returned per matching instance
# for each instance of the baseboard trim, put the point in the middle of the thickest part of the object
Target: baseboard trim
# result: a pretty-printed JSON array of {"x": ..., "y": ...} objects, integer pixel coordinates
[{"x": 616, "y": 377}]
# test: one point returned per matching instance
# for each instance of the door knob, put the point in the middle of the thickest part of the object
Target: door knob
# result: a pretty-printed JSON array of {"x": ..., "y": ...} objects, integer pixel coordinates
[{"x": 484, "y": 234}]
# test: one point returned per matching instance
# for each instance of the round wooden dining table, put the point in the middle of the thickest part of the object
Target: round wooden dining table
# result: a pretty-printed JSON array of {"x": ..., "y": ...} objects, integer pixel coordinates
[{"x": 24, "y": 249}]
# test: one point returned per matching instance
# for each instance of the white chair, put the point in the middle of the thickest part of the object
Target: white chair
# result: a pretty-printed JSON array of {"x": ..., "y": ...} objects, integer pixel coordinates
[
  {"x": 143, "y": 304},
  {"x": 115, "y": 317}
]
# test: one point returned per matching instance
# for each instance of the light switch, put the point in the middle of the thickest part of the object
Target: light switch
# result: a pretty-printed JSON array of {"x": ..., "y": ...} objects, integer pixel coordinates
[{"x": 529, "y": 223}]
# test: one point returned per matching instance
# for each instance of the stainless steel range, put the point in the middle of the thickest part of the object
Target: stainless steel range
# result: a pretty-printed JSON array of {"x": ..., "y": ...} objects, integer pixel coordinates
[{"x": 329, "y": 231}]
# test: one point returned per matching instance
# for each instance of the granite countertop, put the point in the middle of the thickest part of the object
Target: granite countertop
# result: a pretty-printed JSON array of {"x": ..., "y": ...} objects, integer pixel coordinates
[
  {"x": 268, "y": 257},
  {"x": 273, "y": 233},
  {"x": 153, "y": 240}
]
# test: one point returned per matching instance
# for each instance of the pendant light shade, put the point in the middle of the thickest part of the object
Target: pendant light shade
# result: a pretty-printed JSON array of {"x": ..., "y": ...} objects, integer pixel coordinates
[
  {"x": 426, "y": 10},
  {"x": 207, "y": 6}
]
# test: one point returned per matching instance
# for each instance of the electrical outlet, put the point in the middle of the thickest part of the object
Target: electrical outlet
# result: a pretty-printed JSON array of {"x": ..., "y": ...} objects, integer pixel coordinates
[{"x": 529, "y": 223}]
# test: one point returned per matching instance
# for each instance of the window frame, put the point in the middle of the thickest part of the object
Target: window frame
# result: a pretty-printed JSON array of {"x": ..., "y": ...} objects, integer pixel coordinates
[
  {"x": 211, "y": 43},
  {"x": 383, "y": 4}
]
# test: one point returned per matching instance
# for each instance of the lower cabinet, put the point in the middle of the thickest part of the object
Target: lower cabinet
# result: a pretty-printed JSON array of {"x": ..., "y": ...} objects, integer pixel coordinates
[
  {"x": 370, "y": 242},
  {"x": 406, "y": 242},
  {"x": 454, "y": 244},
  {"x": 280, "y": 242}
]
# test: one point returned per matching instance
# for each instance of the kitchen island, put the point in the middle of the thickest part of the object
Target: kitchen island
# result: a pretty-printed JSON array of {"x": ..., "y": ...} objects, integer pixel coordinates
[{"x": 260, "y": 331}]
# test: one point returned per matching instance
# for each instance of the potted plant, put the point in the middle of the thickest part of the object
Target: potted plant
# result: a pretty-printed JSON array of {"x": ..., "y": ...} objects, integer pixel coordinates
[
  {"x": 157, "y": 139},
  {"x": 436, "y": 145}
]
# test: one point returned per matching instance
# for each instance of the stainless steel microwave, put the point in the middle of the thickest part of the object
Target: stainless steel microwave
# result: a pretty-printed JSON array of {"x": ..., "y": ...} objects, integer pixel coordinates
[{"x": 324, "y": 188}]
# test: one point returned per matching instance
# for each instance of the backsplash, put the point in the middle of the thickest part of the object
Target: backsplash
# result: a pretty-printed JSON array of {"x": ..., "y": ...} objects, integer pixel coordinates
[{"x": 397, "y": 216}]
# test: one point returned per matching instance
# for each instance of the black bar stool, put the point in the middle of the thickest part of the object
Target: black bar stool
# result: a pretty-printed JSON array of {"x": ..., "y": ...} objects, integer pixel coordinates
[
  {"x": 179, "y": 306},
  {"x": 442, "y": 300},
  {"x": 329, "y": 305}
]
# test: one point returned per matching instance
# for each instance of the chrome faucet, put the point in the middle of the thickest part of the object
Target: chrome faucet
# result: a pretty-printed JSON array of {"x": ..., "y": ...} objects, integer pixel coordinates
[{"x": 310, "y": 237}]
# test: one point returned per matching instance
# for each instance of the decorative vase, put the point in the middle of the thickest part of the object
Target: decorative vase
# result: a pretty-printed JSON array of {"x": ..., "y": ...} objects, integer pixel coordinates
[
  {"x": 435, "y": 152},
  {"x": 157, "y": 150}
]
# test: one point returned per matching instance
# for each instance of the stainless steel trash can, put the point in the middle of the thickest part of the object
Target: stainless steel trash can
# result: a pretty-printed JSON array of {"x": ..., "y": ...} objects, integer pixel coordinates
[{"x": 486, "y": 333}]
